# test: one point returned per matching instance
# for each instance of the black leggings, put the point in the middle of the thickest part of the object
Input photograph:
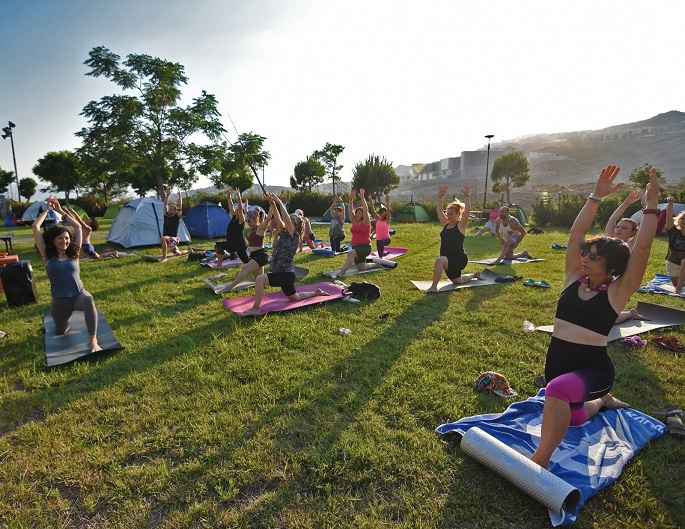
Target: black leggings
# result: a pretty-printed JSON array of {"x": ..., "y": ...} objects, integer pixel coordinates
[{"x": 335, "y": 242}]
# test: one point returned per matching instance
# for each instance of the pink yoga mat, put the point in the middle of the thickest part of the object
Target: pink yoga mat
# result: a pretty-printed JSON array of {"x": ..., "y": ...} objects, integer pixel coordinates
[
  {"x": 277, "y": 301},
  {"x": 390, "y": 253}
]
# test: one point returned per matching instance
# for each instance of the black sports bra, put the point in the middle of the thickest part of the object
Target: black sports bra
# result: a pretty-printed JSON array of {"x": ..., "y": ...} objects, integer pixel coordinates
[{"x": 595, "y": 314}]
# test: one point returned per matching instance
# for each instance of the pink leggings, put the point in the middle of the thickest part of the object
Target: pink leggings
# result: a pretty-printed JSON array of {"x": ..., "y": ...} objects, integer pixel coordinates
[{"x": 573, "y": 388}]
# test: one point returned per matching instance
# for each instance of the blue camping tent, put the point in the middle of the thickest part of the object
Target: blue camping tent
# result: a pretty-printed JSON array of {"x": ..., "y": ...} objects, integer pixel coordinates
[{"x": 207, "y": 221}]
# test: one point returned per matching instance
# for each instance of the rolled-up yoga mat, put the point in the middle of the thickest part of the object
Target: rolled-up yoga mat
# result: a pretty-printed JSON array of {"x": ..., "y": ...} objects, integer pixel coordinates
[
  {"x": 385, "y": 262},
  {"x": 539, "y": 483}
]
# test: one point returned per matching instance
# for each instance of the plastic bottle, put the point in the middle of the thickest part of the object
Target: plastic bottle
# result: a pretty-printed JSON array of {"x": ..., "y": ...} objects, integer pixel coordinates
[
  {"x": 345, "y": 332},
  {"x": 528, "y": 327}
]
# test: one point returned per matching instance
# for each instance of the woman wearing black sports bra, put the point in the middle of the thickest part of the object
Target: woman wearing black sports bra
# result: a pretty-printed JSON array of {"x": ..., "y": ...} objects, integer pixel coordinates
[{"x": 601, "y": 276}]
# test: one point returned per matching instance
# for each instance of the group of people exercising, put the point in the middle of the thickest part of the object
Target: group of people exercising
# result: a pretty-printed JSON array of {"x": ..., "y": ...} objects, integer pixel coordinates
[{"x": 602, "y": 273}]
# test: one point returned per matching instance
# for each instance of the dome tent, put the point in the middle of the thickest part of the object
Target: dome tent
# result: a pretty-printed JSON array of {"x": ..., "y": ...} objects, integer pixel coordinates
[
  {"x": 207, "y": 221},
  {"x": 327, "y": 216},
  {"x": 661, "y": 223},
  {"x": 36, "y": 209},
  {"x": 412, "y": 212},
  {"x": 140, "y": 223}
]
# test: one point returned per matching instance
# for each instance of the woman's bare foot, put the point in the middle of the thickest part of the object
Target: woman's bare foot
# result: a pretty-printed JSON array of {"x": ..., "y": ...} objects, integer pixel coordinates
[
  {"x": 612, "y": 403},
  {"x": 254, "y": 311},
  {"x": 477, "y": 277},
  {"x": 320, "y": 292},
  {"x": 94, "y": 346},
  {"x": 163, "y": 260}
]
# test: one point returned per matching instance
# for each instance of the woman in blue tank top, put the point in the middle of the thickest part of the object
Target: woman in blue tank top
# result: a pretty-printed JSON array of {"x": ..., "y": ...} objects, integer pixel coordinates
[
  {"x": 601, "y": 276},
  {"x": 60, "y": 254}
]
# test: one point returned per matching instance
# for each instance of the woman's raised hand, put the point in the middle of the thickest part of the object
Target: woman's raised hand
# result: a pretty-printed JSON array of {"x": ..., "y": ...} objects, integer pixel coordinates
[
  {"x": 442, "y": 192},
  {"x": 652, "y": 189},
  {"x": 605, "y": 183},
  {"x": 466, "y": 190}
]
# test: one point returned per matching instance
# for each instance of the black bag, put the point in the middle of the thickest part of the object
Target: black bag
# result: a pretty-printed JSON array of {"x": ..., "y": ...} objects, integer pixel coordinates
[
  {"x": 363, "y": 290},
  {"x": 19, "y": 284}
]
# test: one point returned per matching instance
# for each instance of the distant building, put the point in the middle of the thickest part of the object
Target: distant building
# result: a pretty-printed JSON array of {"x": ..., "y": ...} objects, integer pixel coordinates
[{"x": 473, "y": 162}]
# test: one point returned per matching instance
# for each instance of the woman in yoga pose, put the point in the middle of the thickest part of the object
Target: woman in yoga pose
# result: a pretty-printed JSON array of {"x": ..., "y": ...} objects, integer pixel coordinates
[
  {"x": 257, "y": 222},
  {"x": 675, "y": 259},
  {"x": 235, "y": 236},
  {"x": 88, "y": 227},
  {"x": 492, "y": 221},
  {"x": 60, "y": 253},
  {"x": 623, "y": 228},
  {"x": 382, "y": 217},
  {"x": 453, "y": 258},
  {"x": 601, "y": 276},
  {"x": 289, "y": 230}
]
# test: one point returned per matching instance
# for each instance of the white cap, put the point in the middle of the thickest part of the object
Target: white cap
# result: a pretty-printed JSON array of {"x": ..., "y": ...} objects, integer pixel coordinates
[{"x": 299, "y": 212}]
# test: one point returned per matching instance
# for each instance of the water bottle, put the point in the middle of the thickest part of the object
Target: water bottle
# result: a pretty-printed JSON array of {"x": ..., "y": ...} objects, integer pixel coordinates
[
  {"x": 528, "y": 327},
  {"x": 345, "y": 332}
]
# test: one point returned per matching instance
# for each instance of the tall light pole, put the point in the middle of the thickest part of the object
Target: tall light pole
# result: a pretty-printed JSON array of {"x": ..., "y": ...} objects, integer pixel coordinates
[
  {"x": 8, "y": 132},
  {"x": 487, "y": 166}
]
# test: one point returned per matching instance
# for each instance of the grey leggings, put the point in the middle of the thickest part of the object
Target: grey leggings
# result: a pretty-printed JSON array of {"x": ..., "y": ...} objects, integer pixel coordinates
[{"x": 62, "y": 308}]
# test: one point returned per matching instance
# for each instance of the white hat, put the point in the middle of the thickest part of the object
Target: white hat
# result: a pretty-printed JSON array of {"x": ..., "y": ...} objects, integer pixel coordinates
[{"x": 299, "y": 212}]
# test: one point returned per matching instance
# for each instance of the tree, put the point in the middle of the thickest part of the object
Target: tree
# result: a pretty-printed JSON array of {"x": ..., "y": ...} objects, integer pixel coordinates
[
  {"x": 149, "y": 129},
  {"x": 27, "y": 188},
  {"x": 60, "y": 169},
  {"x": 6, "y": 179},
  {"x": 237, "y": 164},
  {"x": 328, "y": 156},
  {"x": 508, "y": 172},
  {"x": 307, "y": 174},
  {"x": 640, "y": 177},
  {"x": 375, "y": 175}
]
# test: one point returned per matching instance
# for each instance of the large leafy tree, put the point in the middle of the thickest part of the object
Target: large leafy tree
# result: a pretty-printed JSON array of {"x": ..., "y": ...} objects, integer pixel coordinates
[
  {"x": 307, "y": 174},
  {"x": 375, "y": 175},
  {"x": 510, "y": 171},
  {"x": 236, "y": 165},
  {"x": 640, "y": 176},
  {"x": 60, "y": 170},
  {"x": 328, "y": 156},
  {"x": 6, "y": 179},
  {"x": 148, "y": 129},
  {"x": 27, "y": 188}
]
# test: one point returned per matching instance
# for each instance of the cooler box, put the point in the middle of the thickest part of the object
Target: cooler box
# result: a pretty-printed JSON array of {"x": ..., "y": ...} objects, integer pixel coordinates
[
  {"x": 5, "y": 260},
  {"x": 19, "y": 285}
]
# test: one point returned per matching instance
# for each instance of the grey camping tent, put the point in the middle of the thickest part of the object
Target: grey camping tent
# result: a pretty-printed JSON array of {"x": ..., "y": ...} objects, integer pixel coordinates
[{"x": 140, "y": 223}]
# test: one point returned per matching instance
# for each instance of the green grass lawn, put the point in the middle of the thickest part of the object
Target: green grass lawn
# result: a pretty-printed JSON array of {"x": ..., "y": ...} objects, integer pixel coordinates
[{"x": 209, "y": 420}]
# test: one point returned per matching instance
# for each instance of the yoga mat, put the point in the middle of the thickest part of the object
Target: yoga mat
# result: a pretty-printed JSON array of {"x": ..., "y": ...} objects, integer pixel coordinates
[
  {"x": 61, "y": 349},
  {"x": 659, "y": 317},
  {"x": 277, "y": 301},
  {"x": 158, "y": 258},
  {"x": 540, "y": 484},
  {"x": 507, "y": 261},
  {"x": 661, "y": 284},
  {"x": 325, "y": 252},
  {"x": 225, "y": 264},
  {"x": 91, "y": 259},
  {"x": 390, "y": 253},
  {"x": 591, "y": 456},
  {"x": 219, "y": 288},
  {"x": 353, "y": 272},
  {"x": 487, "y": 278}
]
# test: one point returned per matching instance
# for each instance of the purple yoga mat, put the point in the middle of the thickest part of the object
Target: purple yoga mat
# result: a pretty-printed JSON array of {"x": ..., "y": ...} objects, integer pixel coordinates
[
  {"x": 225, "y": 264},
  {"x": 390, "y": 253},
  {"x": 277, "y": 301}
]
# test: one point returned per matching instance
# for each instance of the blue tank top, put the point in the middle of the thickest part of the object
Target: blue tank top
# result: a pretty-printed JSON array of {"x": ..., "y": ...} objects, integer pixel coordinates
[
  {"x": 64, "y": 276},
  {"x": 595, "y": 314}
]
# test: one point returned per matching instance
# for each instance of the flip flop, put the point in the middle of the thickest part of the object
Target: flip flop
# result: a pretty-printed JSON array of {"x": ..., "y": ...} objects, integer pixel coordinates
[
  {"x": 540, "y": 382},
  {"x": 633, "y": 341},
  {"x": 675, "y": 426},
  {"x": 558, "y": 246},
  {"x": 666, "y": 343},
  {"x": 539, "y": 284}
]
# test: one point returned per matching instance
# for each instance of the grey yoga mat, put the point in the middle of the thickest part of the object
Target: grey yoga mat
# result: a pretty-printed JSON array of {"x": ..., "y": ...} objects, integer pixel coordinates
[{"x": 539, "y": 483}]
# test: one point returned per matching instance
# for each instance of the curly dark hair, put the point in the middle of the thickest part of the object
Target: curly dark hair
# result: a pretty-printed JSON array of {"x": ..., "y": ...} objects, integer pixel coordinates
[
  {"x": 614, "y": 251},
  {"x": 49, "y": 237},
  {"x": 94, "y": 224}
]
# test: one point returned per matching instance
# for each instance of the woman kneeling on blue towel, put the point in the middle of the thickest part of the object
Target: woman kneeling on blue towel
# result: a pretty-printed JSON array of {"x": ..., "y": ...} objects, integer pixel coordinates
[{"x": 601, "y": 276}]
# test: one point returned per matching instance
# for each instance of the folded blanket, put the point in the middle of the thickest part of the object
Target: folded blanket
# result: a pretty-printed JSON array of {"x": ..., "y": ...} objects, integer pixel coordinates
[
  {"x": 661, "y": 284},
  {"x": 591, "y": 455}
]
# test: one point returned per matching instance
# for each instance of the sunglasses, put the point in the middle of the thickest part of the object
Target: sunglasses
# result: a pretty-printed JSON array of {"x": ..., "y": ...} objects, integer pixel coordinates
[{"x": 592, "y": 255}]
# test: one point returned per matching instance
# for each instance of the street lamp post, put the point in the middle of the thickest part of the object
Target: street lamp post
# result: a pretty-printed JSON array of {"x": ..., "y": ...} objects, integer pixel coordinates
[
  {"x": 487, "y": 166},
  {"x": 8, "y": 132}
]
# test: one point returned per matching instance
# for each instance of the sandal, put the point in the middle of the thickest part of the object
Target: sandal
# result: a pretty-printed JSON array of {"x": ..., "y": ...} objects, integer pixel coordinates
[{"x": 667, "y": 343}]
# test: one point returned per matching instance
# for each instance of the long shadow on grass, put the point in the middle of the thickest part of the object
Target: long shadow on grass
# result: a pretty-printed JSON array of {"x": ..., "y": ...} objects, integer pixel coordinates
[{"x": 308, "y": 435}]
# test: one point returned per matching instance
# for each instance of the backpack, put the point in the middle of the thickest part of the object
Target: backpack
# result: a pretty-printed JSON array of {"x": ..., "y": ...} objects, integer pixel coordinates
[{"x": 363, "y": 290}]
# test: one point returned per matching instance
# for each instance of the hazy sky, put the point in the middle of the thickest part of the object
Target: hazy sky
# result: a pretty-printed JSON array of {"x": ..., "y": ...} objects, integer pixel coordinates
[{"x": 413, "y": 81}]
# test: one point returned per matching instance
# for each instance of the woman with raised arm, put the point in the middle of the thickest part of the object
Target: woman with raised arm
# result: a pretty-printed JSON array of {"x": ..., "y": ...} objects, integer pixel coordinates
[
  {"x": 453, "y": 258},
  {"x": 257, "y": 222},
  {"x": 675, "y": 259},
  {"x": 336, "y": 233},
  {"x": 361, "y": 239},
  {"x": 282, "y": 270},
  {"x": 88, "y": 227},
  {"x": 235, "y": 236},
  {"x": 601, "y": 276},
  {"x": 60, "y": 252},
  {"x": 623, "y": 228},
  {"x": 382, "y": 217},
  {"x": 493, "y": 215}
]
